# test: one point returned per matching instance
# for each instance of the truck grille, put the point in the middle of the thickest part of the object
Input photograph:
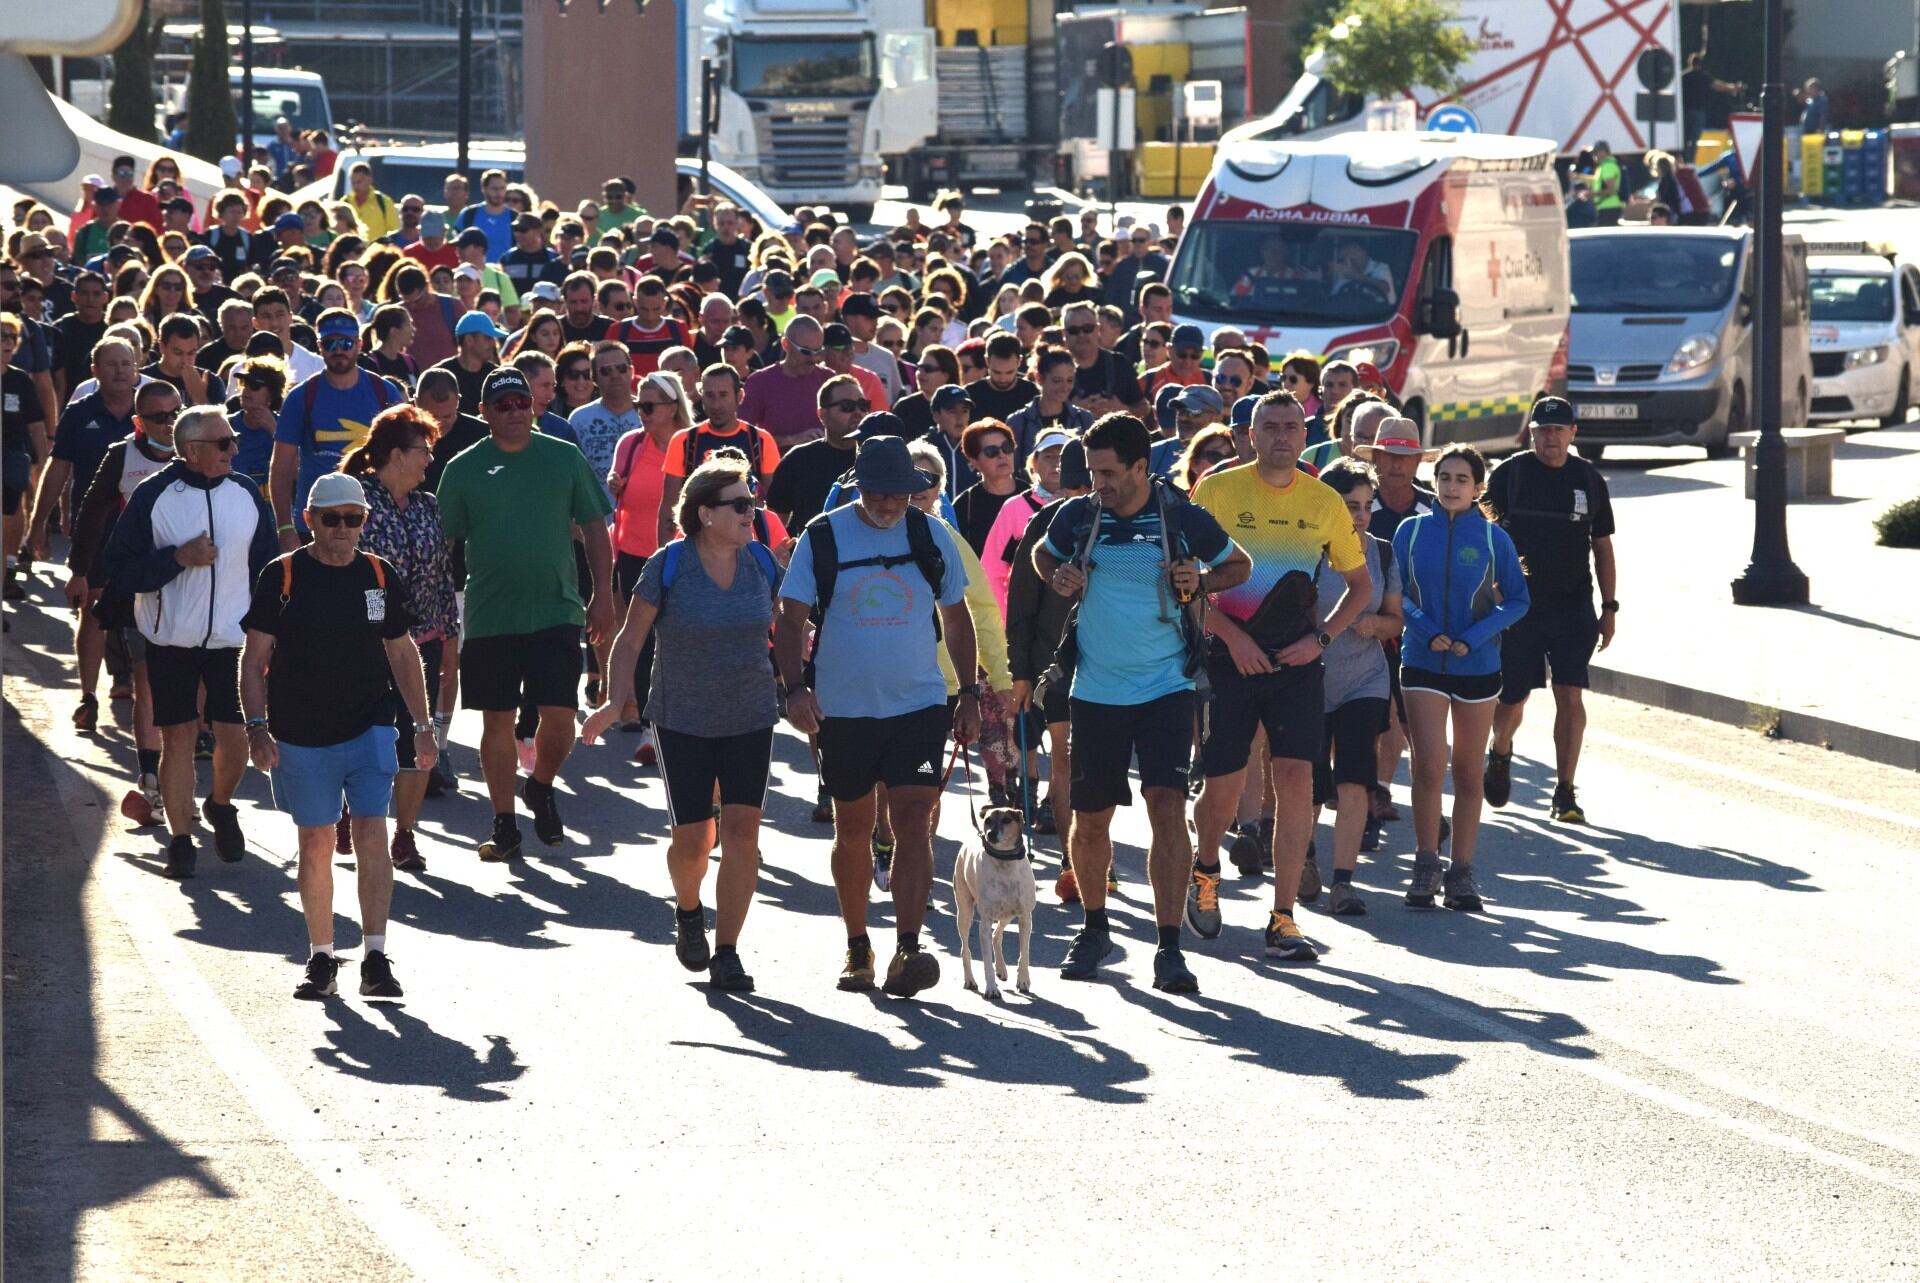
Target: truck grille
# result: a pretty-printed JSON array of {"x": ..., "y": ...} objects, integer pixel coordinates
[
  {"x": 814, "y": 150},
  {"x": 1828, "y": 364}
]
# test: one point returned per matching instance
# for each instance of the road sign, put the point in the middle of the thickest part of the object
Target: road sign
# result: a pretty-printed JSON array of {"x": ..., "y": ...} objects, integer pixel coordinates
[
  {"x": 1452, "y": 118},
  {"x": 1115, "y": 66},
  {"x": 1656, "y": 107},
  {"x": 1655, "y": 69},
  {"x": 1745, "y": 127}
]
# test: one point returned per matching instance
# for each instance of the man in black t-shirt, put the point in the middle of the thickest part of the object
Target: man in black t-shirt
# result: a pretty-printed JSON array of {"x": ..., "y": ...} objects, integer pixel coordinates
[
  {"x": 1005, "y": 390},
  {"x": 807, "y": 472},
  {"x": 321, "y": 720},
  {"x": 580, "y": 322},
  {"x": 727, "y": 251},
  {"x": 75, "y": 334},
  {"x": 1102, "y": 383},
  {"x": 1554, "y": 504}
]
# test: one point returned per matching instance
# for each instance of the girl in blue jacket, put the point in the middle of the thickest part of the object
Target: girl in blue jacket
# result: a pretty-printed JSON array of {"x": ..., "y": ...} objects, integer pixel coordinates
[{"x": 1463, "y": 588}]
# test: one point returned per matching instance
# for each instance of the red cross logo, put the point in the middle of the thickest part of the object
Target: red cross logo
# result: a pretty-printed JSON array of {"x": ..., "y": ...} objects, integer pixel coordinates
[{"x": 1493, "y": 268}]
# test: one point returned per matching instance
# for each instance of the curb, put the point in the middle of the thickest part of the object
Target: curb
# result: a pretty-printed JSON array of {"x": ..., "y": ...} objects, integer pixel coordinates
[{"x": 1775, "y": 723}]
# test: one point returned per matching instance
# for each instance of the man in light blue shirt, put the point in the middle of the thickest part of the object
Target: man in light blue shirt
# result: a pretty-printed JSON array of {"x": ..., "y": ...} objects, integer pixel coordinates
[{"x": 893, "y": 582}]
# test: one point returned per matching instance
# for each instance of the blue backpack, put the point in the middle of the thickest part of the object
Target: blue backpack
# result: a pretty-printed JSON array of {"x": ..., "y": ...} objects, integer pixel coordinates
[{"x": 670, "y": 567}]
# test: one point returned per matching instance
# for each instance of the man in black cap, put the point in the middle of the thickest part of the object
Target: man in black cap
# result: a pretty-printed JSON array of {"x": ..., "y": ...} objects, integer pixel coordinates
[
  {"x": 888, "y": 581},
  {"x": 203, "y": 270},
  {"x": 860, "y": 313},
  {"x": 1555, "y": 506},
  {"x": 515, "y": 499},
  {"x": 530, "y": 262}
]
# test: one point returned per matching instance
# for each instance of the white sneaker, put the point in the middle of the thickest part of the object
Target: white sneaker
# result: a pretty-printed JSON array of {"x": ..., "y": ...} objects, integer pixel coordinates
[{"x": 648, "y": 751}]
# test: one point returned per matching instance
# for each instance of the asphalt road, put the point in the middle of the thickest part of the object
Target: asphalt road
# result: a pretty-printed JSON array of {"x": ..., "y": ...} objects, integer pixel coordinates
[{"x": 1681, "y": 1043}]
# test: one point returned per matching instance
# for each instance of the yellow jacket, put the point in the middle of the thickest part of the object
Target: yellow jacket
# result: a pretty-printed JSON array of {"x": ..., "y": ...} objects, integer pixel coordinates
[
  {"x": 379, "y": 216},
  {"x": 989, "y": 633}
]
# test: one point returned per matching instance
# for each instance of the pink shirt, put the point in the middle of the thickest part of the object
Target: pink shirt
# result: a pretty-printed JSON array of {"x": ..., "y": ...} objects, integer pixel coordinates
[
  {"x": 636, "y": 514},
  {"x": 1003, "y": 537}
]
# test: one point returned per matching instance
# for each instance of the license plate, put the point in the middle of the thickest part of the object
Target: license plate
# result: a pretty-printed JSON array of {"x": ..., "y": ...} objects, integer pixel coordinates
[{"x": 1606, "y": 410}]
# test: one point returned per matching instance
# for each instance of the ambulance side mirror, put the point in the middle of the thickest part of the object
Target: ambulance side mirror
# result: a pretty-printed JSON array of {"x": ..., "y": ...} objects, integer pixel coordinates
[{"x": 1443, "y": 314}]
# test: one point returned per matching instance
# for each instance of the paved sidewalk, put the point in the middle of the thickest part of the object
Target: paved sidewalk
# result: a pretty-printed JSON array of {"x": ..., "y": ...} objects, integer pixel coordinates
[{"x": 1837, "y": 672}]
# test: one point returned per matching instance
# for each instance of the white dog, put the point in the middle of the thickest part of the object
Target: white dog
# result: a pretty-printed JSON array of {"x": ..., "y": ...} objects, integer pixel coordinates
[{"x": 998, "y": 878}]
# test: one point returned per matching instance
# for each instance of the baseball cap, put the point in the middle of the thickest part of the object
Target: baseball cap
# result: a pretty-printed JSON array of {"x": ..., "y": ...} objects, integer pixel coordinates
[
  {"x": 466, "y": 272},
  {"x": 527, "y": 222},
  {"x": 546, "y": 290},
  {"x": 178, "y": 205},
  {"x": 280, "y": 265},
  {"x": 838, "y": 337},
  {"x": 779, "y": 284},
  {"x": 434, "y": 223},
  {"x": 502, "y": 380},
  {"x": 289, "y": 222},
  {"x": 340, "y": 323},
  {"x": 861, "y": 304},
  {"x": 336, "y": 490},
  {"x": 106, "y": 196},
  {"x": 825, "y": 279},
  {"x": 1242, "y": 416},
  {"x": 1553, "y": 412},
  {"x": 1189, "y": 336},
  {"x": 949, "y": 396},
  {"x": 664, "y": 236},
  {"x": 472, "y": 236},
  {"x": 229, "y": 166},
  {"x": 880, "y": 423},
  {"x": 1163, "y": 405},
  {"x": 477, "y": 322},
  {"x": 1199, "y": 398},
  {"x": 1397, "y": 435},
  {"x": 94, "y": 180},
  {"x": 737, "y": 336},
  {"x": 791, "y": 227},
  {"x": 1366, "y": 373},
  {"x": 1051, "y": 438},
  {"x": 1073, "y": 466}
]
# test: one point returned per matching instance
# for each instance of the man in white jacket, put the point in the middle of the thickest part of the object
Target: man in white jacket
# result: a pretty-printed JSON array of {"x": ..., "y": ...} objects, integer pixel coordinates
[{"x": 189, "y": 546}]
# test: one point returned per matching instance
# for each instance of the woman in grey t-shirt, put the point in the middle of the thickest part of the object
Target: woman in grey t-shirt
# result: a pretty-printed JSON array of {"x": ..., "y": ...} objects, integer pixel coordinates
[
  {"x": 1356, "y": 686},
  {"x": 708, "y": 597}
]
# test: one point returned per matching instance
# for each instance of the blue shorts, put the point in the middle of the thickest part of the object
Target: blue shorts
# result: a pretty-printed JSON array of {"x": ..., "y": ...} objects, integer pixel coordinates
[{"x": 309, "y": 783}]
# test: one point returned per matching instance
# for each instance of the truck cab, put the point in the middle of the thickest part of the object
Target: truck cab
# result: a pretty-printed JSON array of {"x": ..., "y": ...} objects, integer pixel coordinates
[
  {"x": 1865, "y": 334},
  {"x": 1440, "y": 258}
]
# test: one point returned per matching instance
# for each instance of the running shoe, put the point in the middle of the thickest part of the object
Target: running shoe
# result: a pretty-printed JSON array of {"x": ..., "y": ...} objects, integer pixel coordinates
[
  {"x": 505, "y": 842},
  {"x": 1426, "y": 880},
  {"x": 1461, "y": 893},
  {"x": 321, "y": 970},
  {"x": 857, "y": 975},
  {"x": 648, "y": 752},
  {"x": 727, "y": 975},
  {"x": 541, "y": 799},
  {"x": 1309, "y": 889},
  {"x": 1498, "y": 780},
  {"x": 343, "y": 835},
  {"x": 143, "y": 804},
  {"x": 1284, "y": 939},
  {"x": 436, "y": 783},
  {"x": 822, "y": 807},
  {"x": 203, "y": 747},
  {"x": 911, "y": 971},
  {"x": 1089, "y": 949},
  {"x": 121, "y": 691},
  {"x": 1446, "y": 833},
  {"x": 1245, "y": 852},
  {"x": 1566, "y": 807},
  {"x": 87, "y": 716},
  {"x": 229, "y": 843},
  {"x": 406, "y": 852},
  {"x": 690, "y": 940},
  {"x": 1344, "y": 902},
  {"x": 1043, "y": 824},
  {"x": 1113, "y": 879},
  {"x": 1203, "y": 905},
  {"x": 1065, "y": 886},
  {"x": 376, "y": 976},
  {"x": 1371, "y": 835},
  {"x": 180, "y": 857},
  {"x": 883, "y": 864},
  {"x": 1381, "y": 807},
  {"x": 1171, "y": 973},
  {"x": 593, "y": 692}
]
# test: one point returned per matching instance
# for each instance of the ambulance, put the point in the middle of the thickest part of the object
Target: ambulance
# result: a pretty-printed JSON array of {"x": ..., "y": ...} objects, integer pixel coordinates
[{"x": 1439, "y": 257}]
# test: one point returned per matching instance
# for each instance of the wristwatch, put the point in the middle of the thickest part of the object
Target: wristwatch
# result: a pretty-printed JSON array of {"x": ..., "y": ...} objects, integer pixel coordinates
[
  {"x": 971, "y": 688},
  {"x": 256, "y": 724},
  {"x": 1613, "y": 606},
  {"x": 1325, "y": 639},
  {"x": 423, "y": 728}
]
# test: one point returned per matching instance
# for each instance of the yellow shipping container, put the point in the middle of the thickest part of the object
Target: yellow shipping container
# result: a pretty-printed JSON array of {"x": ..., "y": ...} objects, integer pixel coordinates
[
  {"x": 993, "y": 22},
  {"x": 1169, "y": 170}
]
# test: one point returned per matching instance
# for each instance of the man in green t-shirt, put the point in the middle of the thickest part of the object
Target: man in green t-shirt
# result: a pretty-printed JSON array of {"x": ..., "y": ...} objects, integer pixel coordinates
[
  {"x": 515, "y": 499},
  {"x": 1608, "y": 201}
]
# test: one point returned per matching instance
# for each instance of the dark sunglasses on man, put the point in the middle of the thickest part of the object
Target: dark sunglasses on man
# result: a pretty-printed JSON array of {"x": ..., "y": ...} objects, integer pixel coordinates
[{"x": 351, "y": 520}]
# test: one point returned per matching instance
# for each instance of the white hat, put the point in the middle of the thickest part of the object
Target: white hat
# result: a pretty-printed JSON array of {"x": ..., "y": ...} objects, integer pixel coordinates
[
  {"x": 1051, "y": 438},
  {"x": 93, "y": 180},
  {"x": 467, "y": 272},
  {"x": 336, "y": 490},
  {"x": 230, "y": 166}
]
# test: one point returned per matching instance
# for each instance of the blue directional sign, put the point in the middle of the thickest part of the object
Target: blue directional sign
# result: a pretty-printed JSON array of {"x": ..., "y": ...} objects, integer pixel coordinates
[{"x": 1452, "y": 118}]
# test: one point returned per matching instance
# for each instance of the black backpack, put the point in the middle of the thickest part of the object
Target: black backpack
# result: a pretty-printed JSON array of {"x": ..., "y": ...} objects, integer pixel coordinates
[
  {"x": 922, "y": 551},
  {"x": 699, "y": 445}
]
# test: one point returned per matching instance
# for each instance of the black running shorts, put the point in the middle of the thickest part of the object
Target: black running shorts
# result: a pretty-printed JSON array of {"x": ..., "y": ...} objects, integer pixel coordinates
[
  {"x": 1104, "y": 739},
  {"x": 1353, "y": 729},
  {"x": 693, "y": 765},
  {"x": 857, "y": 753},
  {"x": 1559, "y": 639},
  {"x": 176, "y": 675},
  {"x": 1287, "y": 702},
  {"x": 546, "y": 664}
]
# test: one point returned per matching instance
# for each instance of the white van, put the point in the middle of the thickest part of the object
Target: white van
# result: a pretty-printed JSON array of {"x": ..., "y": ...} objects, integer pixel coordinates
[
  {"x": 1441, "y": 258},
  {"x": 1865, "y": 334}
]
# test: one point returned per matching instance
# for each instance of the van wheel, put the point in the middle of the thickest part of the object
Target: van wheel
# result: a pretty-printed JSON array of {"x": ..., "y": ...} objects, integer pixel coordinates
[
  {"x": 1593, "y": 453},
  {"x": 1736, "y": 422},
  {"x": 858, "y": 213},
  {"x": 1898, "y": 415}
]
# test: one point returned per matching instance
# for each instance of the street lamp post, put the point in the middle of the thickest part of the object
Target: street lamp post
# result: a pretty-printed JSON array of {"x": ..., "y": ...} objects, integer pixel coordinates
[
  {"x": 464, "y": 124},
  {"x": 246, "y": 87},
  {"x": 1771, "y": 578}
]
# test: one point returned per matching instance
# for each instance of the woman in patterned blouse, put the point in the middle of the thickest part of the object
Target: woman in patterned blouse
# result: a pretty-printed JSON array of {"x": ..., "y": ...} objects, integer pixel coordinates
[{"x": 403, "y": 527}]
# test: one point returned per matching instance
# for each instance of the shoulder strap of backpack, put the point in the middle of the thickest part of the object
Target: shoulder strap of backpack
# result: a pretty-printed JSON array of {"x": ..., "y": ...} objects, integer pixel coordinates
[
  {"x": 826, "y": 570},
  {"x": 670, "y": 565},
  {"x": 768, "y": 566},
  {"x": 926, "y": 553}
]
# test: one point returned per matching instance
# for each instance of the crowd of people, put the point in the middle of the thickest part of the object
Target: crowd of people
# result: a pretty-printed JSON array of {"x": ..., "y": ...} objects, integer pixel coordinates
[{"x": 321, "y": 481}]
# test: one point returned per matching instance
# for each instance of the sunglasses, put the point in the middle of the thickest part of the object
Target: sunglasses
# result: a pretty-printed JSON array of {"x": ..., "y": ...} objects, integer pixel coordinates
[
  {"x": 165, "y": 416},
  {"x": 741, "y": 506},
  {"x": 223, "y": 444},
  {"x": 169, "y": 287},
  {"x": 351, "y": 520},
  {"x": 994, "y": 451},
  {"x": 1227, "y": 380},
  {"x": 1035, "y": 244},
  {"x": 1187, "y": 353},
  {"x": 859, "y": 405},
  {"x": 1141, "y": 240},
  {"x": 1293, "y": 378},
  {"x": 578, "y": 372},
  {"x": 647, "y": 407},
  {"x": 934, "y": 368},
  {"x": 257, "y": 382},
  {"x": 803, "y": 349},
  {"x": 338, "y": 343},
  {"x": 510, "y": 404},
  {"x": 1080, "y": 329}
]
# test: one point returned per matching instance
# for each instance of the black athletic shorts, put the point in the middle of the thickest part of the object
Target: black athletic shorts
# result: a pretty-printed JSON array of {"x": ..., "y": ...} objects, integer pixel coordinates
[
  {"x": 1461, "y": 688},
  {"x": 1560, "y": 638},
  {"x": 857, "y": 753},
  {"x": 626, "y": 573},
  {"x": 430, "y": 652},
  {"x": 1287, "y": 702},
  {"x": 176, "y": 674},
  {"x": 1051, "y": 711},
  {"x": 12, "y": 498},
  {"x": 546, "y": 664},
  {"x": 1104, "y": 739},
  {"x": 1353, "y": 730},
  {"x": 693, "y": 764}
]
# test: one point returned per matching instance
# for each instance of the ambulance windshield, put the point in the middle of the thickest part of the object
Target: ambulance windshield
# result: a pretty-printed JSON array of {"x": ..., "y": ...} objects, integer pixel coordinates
[{"x": 1290, "y": 274}]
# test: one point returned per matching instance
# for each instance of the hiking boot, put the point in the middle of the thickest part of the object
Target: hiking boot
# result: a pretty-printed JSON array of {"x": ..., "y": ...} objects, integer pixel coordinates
[
  {"x": 690, "y": 939},
  {"x": 180, "y": 858},
  {"x": 1285, "y": 940},
  {"x": 1171, "y": 973},
  {"x": 406, "y": 852},
  {"x": 1498, "y": 780},
  {"x": 1245, "y": 852},
  {"x": 87, "y": 716},
  {"x": 1066, "y": 887},
  {"x": 203, "y": 747},
  {"x": 1344, "y": 902},
  {"x": 1566, "y": 808},
  {"x": 1381, "y": 806},
  {"x": 229, "y": 843},
  {"x": 857, "y": 975},
  {"x": 1461, "y": 893},
  {"x": 505, "y": 842},
  {"x": 541, "y": 801},
  {"x": 726, "y": 974},
  {"x": 343, "y": 835},
  {"x": 1043, "y": 824},
  {"x": 1426, "y": 880},
  {"x": 1203, "y": 905},
  {"x": 1309, "y": 889},
  {"x": 883, "y": 864},
  {"x": 911, "y": 971},
  {"x": 376, "y": 977},
  {"x": 321, "y": 970},
  {"x": 1089, "y": 949}
]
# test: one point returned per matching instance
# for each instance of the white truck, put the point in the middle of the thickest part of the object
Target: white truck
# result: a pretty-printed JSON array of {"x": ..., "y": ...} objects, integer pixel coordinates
[
  {"x": 813, "y": 93},
  {"x": 1559, "y": 71}
]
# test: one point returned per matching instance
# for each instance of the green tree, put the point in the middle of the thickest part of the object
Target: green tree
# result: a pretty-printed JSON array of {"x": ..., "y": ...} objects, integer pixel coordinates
[
  {"x": 131, "y": 106},
  {"x": 1380, "y": 48},
  {"x": 210, "y": 116}
]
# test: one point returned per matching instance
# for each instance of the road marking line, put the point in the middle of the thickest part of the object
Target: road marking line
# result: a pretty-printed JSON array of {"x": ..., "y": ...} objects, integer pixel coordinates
[
  {"x": 405, "y": 1234},
  {"x": 1762, "y": 782}
]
